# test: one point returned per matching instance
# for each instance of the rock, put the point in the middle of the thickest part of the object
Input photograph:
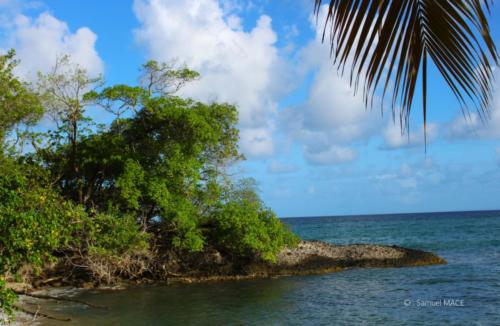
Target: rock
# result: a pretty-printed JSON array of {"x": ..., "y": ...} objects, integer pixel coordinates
[
  {"x": 316, "y": 257},
  {"x": 309, "y": 257},
  {"x": 312, "y": 257}
]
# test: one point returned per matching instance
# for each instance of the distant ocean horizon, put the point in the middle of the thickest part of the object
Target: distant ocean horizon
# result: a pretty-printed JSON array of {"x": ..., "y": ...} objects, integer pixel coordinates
[
  {"x": 466, "y": 291},
  {"x": 479, "y": 212}
]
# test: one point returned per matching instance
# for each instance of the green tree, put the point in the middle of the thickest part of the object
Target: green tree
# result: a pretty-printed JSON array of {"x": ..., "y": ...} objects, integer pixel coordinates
[
  {"x": 18, "y": 104},
  {"x": 34, "y": 220},
  {"x": 97, "y": 197},
  {"x": 159, "y": 164},
  {"x": 164, "y": 164},
  {"x": 243, "y": 227},
  {"x": 165, "y": 79},
  {"x": 62, "y": 92}
]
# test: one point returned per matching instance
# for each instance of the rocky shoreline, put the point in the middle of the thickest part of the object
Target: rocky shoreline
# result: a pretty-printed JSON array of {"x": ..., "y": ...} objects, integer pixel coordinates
[
  {"x": 316, "y": 257},
  {"x": 309, "y": 257}
]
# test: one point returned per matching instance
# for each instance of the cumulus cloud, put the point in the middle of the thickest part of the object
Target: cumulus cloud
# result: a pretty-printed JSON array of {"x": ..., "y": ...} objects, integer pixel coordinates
[
  {"x": 39, "y": 41},
  {"x": 332, "y": 117},
  {"x": 257, "y": 142},
  {"x": 237, "y": 66}
]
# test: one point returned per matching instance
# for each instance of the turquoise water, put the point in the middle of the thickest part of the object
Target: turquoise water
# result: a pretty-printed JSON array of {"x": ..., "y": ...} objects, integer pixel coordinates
[{"x": 469, "y": 241}]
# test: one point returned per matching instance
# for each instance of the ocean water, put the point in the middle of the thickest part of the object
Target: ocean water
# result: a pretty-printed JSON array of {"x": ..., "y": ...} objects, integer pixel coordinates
[{"x": 466, "y": 291}]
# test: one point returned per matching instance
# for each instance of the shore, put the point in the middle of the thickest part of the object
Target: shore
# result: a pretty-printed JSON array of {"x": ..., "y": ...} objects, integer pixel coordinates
[
  {"x": 309, "y": 257},
  {"x": 316, "y": 257}
]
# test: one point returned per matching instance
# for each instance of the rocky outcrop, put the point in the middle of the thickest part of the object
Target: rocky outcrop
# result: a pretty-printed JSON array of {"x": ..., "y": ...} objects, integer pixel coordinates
[{"x": 316, "y": 257}]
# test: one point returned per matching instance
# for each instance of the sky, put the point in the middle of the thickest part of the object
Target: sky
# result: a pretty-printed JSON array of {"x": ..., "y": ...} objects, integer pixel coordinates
[{"x": 308, "y": 140}]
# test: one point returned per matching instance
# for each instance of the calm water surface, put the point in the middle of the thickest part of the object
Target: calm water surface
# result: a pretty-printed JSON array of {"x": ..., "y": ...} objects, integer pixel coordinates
[{"x": 469, "y": 241}]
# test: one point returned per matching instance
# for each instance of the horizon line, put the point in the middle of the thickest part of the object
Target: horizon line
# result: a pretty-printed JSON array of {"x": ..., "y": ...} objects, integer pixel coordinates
[{"x": 406, "y": 213}]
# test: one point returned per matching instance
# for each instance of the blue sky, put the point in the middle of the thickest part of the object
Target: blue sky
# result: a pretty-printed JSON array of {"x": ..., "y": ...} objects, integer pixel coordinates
[{"x": 309, "y": 142}]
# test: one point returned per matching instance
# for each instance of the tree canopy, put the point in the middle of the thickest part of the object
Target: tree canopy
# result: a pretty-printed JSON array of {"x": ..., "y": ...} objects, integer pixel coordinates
[{"x": 152, "y": 180}]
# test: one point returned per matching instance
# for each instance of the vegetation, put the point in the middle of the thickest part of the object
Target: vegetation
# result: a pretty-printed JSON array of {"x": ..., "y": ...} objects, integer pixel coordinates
[{"x": 103, "y": 200}]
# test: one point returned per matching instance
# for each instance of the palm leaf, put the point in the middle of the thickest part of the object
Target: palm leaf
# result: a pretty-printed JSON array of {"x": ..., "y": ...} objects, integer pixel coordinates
[{"x": 389, "y": 43}]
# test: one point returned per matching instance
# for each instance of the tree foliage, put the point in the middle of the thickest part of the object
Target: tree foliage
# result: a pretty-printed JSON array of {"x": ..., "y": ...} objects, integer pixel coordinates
[
  {"x": 155, "y": 175},
  {"x": 19, "y": 105}
]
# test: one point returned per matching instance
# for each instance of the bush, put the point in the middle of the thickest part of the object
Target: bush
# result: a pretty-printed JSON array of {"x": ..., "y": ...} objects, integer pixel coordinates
[
  {"x": 109, "y": 245},
  {"x": 245, "y": 228},
  {"x": 34, "y": 222},
  {"x": 7, "y": 298},
  {"x": 113, "y": 235},
  {"x": 34, "y": 219}
]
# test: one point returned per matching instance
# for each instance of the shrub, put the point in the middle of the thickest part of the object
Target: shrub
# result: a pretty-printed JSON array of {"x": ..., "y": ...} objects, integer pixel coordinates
[
  {"x": 244, "y": 227},
  {"x": 113, "y": 235},
  {"x": 7, "y": 298},
  {"x": 34, "y": 221},
  {"x": 110, "y": 245}
]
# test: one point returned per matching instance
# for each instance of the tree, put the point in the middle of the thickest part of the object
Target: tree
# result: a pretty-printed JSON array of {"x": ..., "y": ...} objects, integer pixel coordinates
[
  {"x": 104, "y": 202},
  {"x": 392, "y": 41},
  {"x": 162, "y": 78},
  {"x": 157, "y": 165},
  {"x": 162, "y": 162},
  {"x": 62, "y": 92},
  {"x": 18, "y": 104}
]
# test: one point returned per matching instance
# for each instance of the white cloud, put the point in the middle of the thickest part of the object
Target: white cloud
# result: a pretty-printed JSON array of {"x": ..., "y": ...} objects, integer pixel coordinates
[
  {"x": 472, "y": 126},
  {"x": 38, "y": 42},
  {"x": 16, "y": 5},
  {"x": 333, "y": 108},
  {"x": 332, "y": 117},
  {"x": 257, "y": 142},
  {"x": 237, "y": 66},
  {"x": 395, "y": 139},
  {"x": 334, "y": 154},
  {"x": 410, "y": 181}
]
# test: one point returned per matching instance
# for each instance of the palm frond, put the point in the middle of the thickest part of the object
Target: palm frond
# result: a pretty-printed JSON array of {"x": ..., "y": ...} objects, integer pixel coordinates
[{"x": 389, "y": 43}]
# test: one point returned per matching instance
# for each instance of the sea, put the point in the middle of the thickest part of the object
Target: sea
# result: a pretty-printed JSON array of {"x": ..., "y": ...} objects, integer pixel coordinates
[{"x": 466, "y": 291}]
